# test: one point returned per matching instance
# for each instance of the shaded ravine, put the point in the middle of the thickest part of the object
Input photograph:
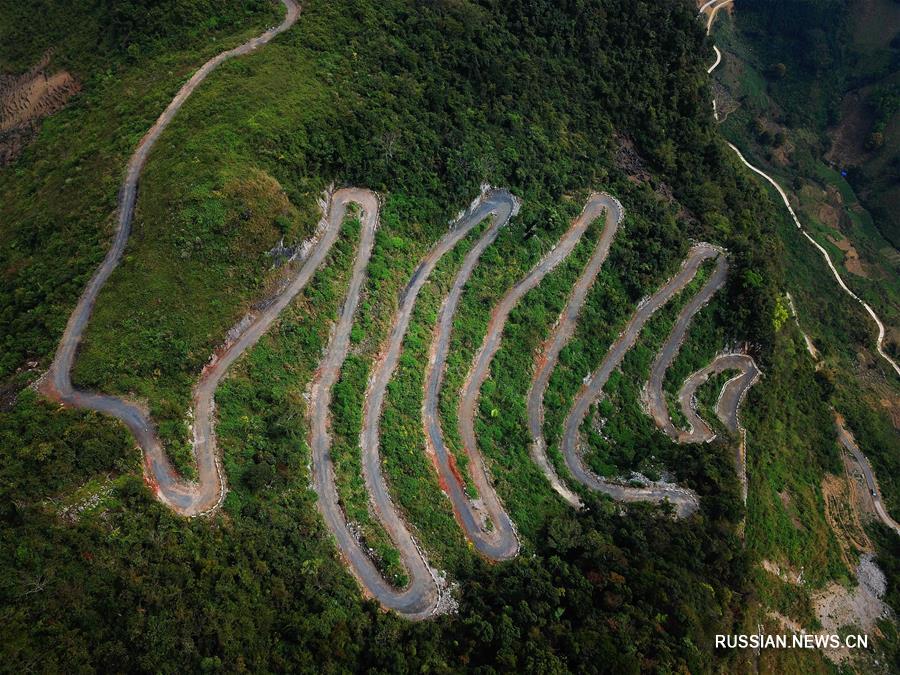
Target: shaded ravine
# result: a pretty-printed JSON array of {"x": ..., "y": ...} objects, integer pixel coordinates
[
  {"x": 423, "y": 596},
  {"x": 684, "y": 500},
  {"x": 732, "y": 392},
  {"x": 563, "y": 332},
  {"x": 879, "y": 342},
  {"x": 186, "y": 498},
  {"x": 500, "y": 542}
]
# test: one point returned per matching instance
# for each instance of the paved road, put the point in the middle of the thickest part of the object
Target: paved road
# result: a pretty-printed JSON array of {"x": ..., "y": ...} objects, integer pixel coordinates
[
  {"x": 499, "y": 541},
  {"x": 423, "y": 596},
  {"x": 847, "y": 440},
  {"x": 186, "y": 498},
  {"x": 685, "y": 501},
  {"x": 565, "y": 328},
  {"x": 732, "y": 393}
]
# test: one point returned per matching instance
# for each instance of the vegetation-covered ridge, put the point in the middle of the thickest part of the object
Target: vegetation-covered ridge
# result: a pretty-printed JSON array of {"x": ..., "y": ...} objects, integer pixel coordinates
[{"x": 400, "y": 107}]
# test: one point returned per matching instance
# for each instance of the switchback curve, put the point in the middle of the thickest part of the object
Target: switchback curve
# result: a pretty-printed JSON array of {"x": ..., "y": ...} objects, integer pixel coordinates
[
  {"x": 186, "y": 498},
  {"x": 423, "y": 596},
  {"x": 501, "y": 542},
  {"x": 732, "y": 392},
  {"x": 420, "y": 598},
  {"x": 562, "y": 333},
  {"x": 684, "y": 500}
]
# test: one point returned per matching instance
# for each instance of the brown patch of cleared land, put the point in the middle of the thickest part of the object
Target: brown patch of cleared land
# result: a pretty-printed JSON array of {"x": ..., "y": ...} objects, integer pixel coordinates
[
  {"x": 851, "y": 256},
  {"x": 842, "y": 513},
  {"x": 27, "y": 98}
]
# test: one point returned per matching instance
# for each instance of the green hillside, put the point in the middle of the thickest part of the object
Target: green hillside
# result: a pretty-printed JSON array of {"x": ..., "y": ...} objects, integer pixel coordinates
[{"x": 422, "y": 103}]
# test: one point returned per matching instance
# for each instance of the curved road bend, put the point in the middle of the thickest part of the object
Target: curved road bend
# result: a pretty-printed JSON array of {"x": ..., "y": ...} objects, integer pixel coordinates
[
  {"x": 501, "y": 542},
  {"x": 656, "y": 399},
  {"x": 188, "y": 499},
  {"x": 732, "y": 391},
  {"x": 684, "y": 500},
  {"x": 879, "y": 342},
  {"x": 419, "y": 599},
  {"x": 847, "y": 440},
  {"x": 422, "y": 598},
  {"x": 563, "y": 331},
  {"x": 730, "y": 397}
]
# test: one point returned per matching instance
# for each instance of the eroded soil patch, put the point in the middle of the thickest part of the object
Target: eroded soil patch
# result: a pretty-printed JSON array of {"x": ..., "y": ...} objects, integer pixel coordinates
[{"x": 27, "y": 98}]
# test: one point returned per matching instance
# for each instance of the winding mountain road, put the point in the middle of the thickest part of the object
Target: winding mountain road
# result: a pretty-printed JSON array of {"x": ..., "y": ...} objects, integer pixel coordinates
[
  {"x": 423, "y": 595},
  {"x": 500, "y": 541},
  {"x": 684, "y": 500},
  {"x": 186, "y": 498},
  {"x": 563, "y": 331},
  {"x": 731, "y": 395}
]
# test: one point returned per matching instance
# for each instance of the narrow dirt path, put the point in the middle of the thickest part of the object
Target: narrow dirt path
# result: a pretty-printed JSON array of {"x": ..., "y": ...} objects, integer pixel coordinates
[
  {"x": 186, "y": 498},
  {"x": 685, "y": 501},
  {"x": 499, "y": 542},
  {"x": 563, "y": 331}
]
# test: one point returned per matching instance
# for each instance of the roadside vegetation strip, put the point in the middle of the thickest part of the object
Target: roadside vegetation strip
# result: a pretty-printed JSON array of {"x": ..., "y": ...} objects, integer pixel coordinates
[
  {"x": 486, "y": 524},
  {"x": 186, "y": 498},
  {"x": 563, "y": 332},
  {"x": 684, "y": 500}
]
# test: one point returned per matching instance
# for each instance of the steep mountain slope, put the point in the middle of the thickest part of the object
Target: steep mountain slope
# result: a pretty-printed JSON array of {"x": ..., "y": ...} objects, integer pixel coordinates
[{"x": 423, "y": 104}]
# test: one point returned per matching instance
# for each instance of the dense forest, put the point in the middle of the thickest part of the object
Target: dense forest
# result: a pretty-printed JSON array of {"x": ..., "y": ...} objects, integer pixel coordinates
[{"x": 422, "y": 102}]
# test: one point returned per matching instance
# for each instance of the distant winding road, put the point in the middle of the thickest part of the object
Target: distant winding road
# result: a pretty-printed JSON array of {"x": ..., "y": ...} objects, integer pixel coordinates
[
  {"x": 710, "y": 9},
  {"x": 207, "y": 493},
  {"x": 846, "y": 439}
]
